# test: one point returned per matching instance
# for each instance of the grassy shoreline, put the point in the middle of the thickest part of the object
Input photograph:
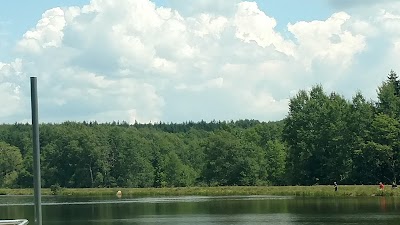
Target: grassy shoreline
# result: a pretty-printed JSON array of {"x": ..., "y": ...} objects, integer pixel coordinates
[{"x": 311, "y": 191}]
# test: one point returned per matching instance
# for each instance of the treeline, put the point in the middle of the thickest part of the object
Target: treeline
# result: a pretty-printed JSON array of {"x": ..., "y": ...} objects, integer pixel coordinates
[
  {"x": 324, "y": 138},
  {"x": 89, "y": 154},
  {"x": 354, "y": 142}
]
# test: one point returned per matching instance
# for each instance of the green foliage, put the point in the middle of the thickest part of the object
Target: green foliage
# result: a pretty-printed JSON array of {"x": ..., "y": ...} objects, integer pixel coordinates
[
  {"x": 388, "y": 96},
  {"x": 86, "y": 155},
  {"x": 312, "y": 191},
  {"x": 324, "y": 138},
  {"x": 176, "y": 173},
  {"x": 231, "y": 160},
  {"x": 10, "y": 165},
  {"x": 55, "y": 189},
  {"x": 359, "y": 125},
  {"x": 275, "y": 162},
  {"x": 331, "y": 139},
  {"x": 316, "y": 132}
]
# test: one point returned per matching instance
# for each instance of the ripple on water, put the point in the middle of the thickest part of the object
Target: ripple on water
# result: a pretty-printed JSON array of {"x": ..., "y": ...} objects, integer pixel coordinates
[{"x": 54, "y": 200}]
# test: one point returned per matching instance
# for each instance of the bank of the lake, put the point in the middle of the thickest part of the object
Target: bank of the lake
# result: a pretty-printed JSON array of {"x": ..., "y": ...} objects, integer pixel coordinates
[{"x": 312, "y": 191}]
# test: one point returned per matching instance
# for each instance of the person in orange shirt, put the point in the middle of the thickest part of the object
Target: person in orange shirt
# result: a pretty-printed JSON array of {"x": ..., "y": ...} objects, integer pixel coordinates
[{"x": 381, "y": 186}]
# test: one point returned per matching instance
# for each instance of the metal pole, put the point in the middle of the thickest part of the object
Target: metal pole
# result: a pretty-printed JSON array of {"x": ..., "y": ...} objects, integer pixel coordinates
[{"x": 36, "y": 153}]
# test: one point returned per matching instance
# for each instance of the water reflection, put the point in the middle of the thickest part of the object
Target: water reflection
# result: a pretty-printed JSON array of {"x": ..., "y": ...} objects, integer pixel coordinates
[{"x": 204, "y": 210}]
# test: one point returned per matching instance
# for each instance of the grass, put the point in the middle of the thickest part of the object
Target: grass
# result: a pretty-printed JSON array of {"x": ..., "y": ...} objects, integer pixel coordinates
[{"x": 311, "y": 191}]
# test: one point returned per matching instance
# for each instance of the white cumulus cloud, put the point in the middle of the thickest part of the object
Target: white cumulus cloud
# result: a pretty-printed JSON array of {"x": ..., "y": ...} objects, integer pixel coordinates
[
  {"x": 135, "y": 61},
  {"x": 319, "y": 40}
]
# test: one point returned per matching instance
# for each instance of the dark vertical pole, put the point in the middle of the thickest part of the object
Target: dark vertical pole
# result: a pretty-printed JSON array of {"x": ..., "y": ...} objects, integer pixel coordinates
[{"x": 36, "y": 153}]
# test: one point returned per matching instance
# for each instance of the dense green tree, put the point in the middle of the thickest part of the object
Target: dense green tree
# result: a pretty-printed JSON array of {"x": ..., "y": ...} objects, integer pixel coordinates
[
  {"x": 337, "y": 161},
  {"x": 388, "y": 96},
  {"x": 394, "y": 79},
  {"x": 230, "y": 160},
  {"x": 359, "y": 125},
  {"x": 316, "y": 133},
  {"x": 221, "y": 150},
  {"x": 385, "y": 146},
  {"x": 176, "y": 173},
  {"x": 132, "y": 166},
  {"x": 324, "y": 138},
  {"x": 303, "y": 134},
  {"x": 10, "y": 165},
  {"x": 275, "y": 162}
]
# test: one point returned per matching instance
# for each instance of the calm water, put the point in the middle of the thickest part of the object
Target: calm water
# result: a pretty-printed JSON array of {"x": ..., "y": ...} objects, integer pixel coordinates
[{"x": 246, "y": 210}]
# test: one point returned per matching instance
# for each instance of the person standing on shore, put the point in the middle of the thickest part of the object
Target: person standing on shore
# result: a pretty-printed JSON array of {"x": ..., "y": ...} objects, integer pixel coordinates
[
  {"x": 381, "y": 186},
  {"x": 335, "y": 185}
]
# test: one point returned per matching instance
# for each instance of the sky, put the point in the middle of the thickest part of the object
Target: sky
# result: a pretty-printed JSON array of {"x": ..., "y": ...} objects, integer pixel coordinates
[{"x": 173, "y": 61}]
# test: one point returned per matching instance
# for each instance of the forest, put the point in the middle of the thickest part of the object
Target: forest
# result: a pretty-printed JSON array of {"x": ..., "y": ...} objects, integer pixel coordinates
[{"x": 323, "y": 138}]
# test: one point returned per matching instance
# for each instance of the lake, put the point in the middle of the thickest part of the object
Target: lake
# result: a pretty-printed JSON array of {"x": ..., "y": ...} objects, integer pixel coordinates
[{"x": 244, "y": 210}]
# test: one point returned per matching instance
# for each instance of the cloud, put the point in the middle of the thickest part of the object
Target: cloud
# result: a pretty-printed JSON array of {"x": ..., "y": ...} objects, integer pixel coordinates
[
  {"x": 12, "y": 97},
  {"x": 214, "y": 7},
  {"x": 48, "y": 32},
  {"x": 213, "y": 83},
  {"x": 132, "y": 60},
  {"x": 254, "y": 25},
  {"x": 335, "y": 43}
]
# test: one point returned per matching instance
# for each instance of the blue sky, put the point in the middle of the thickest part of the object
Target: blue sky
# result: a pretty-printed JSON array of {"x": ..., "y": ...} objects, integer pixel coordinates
[
  {"x": 285, "y": 11},
  {"x": 18, "y": 16},
  {"x": 216, "y": 59}
]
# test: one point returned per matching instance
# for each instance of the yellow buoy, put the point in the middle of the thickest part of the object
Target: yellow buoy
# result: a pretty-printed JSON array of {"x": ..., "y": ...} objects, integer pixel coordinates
[{"x": 119, "y": 193}]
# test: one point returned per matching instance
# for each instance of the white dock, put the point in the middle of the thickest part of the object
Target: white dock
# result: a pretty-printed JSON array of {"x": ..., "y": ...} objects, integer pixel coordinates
[{"x": 13, "y": 222}]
